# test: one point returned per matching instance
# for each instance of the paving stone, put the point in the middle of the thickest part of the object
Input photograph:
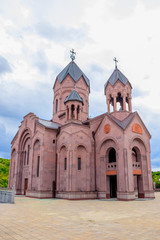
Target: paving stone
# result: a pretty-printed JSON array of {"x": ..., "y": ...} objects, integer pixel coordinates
[{"x": 49, "y": 219}]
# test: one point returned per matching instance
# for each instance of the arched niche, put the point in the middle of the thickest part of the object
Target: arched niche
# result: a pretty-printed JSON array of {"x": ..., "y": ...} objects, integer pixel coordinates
[
  {"x": 106, "y": 146},
  {"x": 26, "y": 134},
  {"x": 81, "y": 156},
  {"x": 139, "y": 146},
  {"x": 24, "y": 147},
  {"x": 63, "y": 158},
  {"x": 136, "y": 154}
]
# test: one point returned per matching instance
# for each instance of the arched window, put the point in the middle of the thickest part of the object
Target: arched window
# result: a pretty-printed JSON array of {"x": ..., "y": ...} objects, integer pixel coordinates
[
  {"x": 56, "y": 105},
  {"x": 119, "y": 100},
  {"x": 28, "y": 154},
  {"x": 127, "y": 101},
  {"x": 38, "y": 165},
  {"x": 79, "y": 163},
  {"x": 67, "y": 113},
  {"x": 111, "y": 100},
  {"x": 134, "y": 155},
  {"x": 72, "y": 111},
  {"x": 25, "y": 158},
  {"x": 112, "y": 155},
  {"x": 65, "y": 163}
]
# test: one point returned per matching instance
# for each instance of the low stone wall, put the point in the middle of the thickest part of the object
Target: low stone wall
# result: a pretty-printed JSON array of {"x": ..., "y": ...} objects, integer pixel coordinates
[
  {"x": 157, "y": 190},
  {"x": 7, "y": 196}
]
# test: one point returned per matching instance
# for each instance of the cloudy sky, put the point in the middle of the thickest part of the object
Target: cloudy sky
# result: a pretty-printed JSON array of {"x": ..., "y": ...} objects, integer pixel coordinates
[{"x": 36, "y": 37}]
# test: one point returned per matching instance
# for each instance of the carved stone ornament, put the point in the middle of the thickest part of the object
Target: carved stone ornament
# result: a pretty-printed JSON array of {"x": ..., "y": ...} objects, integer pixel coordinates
[
  {"x": 107, "y": 128},
  {"x": 137, "y": 128}
]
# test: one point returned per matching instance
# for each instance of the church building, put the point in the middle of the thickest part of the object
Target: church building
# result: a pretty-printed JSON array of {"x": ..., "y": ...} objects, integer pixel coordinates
[{"x": 73, "y": 156}]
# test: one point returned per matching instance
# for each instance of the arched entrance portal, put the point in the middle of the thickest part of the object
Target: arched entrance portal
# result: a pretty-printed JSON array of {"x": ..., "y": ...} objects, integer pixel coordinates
[
  {"x": 112, "y": 178},
  {"x": 108, "y": 160},
  {"x": 113, "y": 186}
]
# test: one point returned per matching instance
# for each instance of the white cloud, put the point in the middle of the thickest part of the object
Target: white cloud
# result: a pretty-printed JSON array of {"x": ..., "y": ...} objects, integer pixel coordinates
[{"x": 36, "y": 37}]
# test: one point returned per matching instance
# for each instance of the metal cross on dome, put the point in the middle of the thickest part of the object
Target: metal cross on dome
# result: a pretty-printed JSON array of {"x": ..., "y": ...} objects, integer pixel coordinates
[
  {"x": 73, "y": 53},
  {"x": 116, "y": 61}
]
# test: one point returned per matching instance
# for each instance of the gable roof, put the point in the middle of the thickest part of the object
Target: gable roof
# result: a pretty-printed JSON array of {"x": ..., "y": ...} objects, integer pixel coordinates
[
  {"x": 117, "y": 75},
  {"x": 48, "y": 124},
  {"x": 124, "y": 123},
  {"x": 74, "y": 71},
  {"x": 74, "y": 96}
]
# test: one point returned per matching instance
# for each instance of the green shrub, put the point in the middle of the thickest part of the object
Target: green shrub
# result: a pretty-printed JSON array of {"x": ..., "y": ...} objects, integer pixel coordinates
[
  {"x": 155, "y": 178},
  {"x": 4, "y": 172},
  {"x": 157, "y": 184}
]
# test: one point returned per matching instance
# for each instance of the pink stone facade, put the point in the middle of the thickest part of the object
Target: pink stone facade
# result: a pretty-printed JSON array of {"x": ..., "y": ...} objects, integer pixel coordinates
[{"x": 74, "y": 157}]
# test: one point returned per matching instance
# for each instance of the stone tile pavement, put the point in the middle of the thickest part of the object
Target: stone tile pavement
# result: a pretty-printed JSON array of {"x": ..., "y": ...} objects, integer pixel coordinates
[{"x": 53, "y": 219}]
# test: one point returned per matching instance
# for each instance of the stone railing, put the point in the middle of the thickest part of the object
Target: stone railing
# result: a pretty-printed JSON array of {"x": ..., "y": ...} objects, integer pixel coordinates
[
  {"x": 111, "y": 166},
  {"x": 7, "y": 196},
  {"x": 136, "y": 166}
]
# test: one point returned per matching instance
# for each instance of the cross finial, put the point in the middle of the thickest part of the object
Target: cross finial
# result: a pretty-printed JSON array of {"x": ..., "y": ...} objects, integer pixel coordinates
[
  {"x": 72, "y": 55},
  {"x": 114, "y": 59}
]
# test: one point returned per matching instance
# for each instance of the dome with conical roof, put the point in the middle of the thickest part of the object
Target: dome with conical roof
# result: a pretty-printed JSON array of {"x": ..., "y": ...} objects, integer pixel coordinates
[
  {"x": 74, "y": 96},
  {"x": 74, "y": 71},
  {"x": 117, "y": 75}
]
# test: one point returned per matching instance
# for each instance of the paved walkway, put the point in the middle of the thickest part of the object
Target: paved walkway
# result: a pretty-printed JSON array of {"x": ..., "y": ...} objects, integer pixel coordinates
[{"x": 55, "y": 219}]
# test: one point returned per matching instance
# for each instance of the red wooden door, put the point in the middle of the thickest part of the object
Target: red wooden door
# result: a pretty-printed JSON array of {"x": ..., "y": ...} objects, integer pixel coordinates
[{"x": 25, "y": 185}]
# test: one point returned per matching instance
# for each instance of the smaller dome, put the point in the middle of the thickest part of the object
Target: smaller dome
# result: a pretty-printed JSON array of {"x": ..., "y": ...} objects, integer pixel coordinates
[
  {"x": 74, "y": 96},
  {"x": 117, "y": 75}
]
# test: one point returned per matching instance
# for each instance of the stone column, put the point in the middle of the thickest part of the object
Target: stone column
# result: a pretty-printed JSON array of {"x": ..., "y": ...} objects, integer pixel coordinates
[
  {"x": 114, "y": 104},
  {"x": 80, "y": 113},
  {"x": 130, "y": 104},
  {"x": 124, "y": 103},
  {"x": 108, "y": 104}
]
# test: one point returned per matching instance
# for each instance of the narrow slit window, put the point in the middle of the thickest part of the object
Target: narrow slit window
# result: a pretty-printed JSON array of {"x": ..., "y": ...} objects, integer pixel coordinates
[
  {"x": 25, "y": 158},
  {"x": 65, "y": 163},
  {"x": 56, "y": 105},
  {"x": 79, "y": 163},
  {"x": 28, "y": 155},
  {"x": 38, "y": 165}
]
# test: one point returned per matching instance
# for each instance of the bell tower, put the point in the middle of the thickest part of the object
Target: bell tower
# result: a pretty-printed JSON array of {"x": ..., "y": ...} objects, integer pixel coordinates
[
  {"x": 118, "y": 91},
  {"x": 65, "y": 95}
]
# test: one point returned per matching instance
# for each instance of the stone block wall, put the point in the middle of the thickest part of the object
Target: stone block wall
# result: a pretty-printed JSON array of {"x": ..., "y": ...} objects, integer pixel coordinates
[{"x": 6, "y": 196}]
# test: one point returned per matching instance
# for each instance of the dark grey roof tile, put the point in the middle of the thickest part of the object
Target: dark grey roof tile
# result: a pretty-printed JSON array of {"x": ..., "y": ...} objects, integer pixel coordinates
[
  {"x": 48, "y": 124},
  {"x": 74, "y": 96},
  {"x": 117, "y": 75},
  {"x": 74, "y": 71},
  {"x": 124, "y": 123}
]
